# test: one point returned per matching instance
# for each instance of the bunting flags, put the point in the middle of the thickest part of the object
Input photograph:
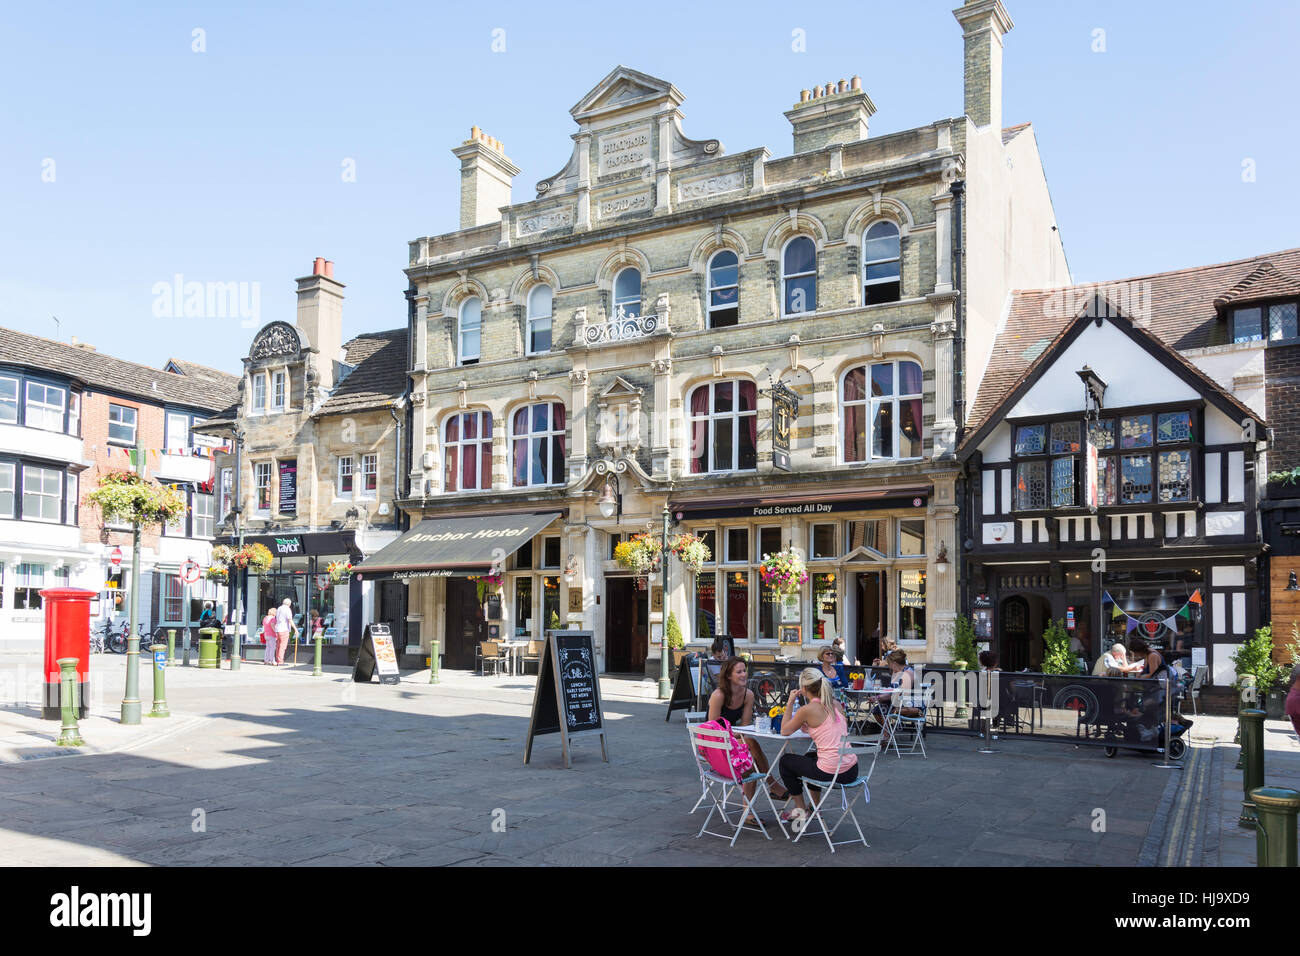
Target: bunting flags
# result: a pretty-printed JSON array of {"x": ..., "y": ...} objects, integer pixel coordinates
[{"x": 1170, "y": 622}]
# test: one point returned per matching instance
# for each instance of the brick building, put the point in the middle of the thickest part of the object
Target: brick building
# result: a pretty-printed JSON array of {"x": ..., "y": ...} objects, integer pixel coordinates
[
  {"x": 320, "y": 424},
  {"x": 68, "y": 413},
  {"x": 619, "y": 345}
]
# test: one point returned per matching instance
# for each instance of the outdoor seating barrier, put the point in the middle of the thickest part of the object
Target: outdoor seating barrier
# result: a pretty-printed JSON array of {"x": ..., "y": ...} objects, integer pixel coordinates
[{"x": 1116, "y": 713}]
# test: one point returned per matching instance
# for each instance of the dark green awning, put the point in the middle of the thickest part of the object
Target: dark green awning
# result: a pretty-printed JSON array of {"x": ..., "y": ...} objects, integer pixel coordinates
[{"x": 443, "y": 547}]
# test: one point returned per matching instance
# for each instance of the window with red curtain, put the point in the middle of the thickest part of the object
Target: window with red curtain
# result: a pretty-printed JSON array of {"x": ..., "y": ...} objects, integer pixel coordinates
[
  {"x": 724, "y": 427},
  {"x": 537, "y": 444},
  {"x": 467, "y": 452},
  {"x": 888, "y": 395}
]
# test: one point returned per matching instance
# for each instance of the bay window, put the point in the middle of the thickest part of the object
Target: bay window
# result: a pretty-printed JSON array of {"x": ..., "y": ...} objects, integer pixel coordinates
[
  {"x": 8, "y": 400},
  {"x": 44, "y": 407},
  {"x": 7, "y": 469},
  {"x": 42, "y": 494},
  {"x": 724, "y": 427}
]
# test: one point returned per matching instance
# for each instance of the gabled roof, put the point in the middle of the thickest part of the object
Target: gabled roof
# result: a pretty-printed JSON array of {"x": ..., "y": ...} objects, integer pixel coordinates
[
  {"x": 1011, "y": 132},
  {"x": 208, "y": 391},
  {"x": 623, "y": 87},
  {"x": 1266, "y": 282},
  {"x": 1177, "y": 307},
  {"x": 1098, "y": 311},
  {"x": 378, "y": 376}
]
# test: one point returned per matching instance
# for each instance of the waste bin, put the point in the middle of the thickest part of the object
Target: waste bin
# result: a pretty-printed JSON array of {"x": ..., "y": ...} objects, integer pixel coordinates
[
  {"x": 209, "y": 648},
  {"x": 67, "y": 634}
]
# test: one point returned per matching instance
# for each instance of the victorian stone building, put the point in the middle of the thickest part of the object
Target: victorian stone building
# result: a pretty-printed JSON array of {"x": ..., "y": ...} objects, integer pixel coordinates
[
  {"x": 633, "y": 337},
  {"x": 315, "y": 439}
]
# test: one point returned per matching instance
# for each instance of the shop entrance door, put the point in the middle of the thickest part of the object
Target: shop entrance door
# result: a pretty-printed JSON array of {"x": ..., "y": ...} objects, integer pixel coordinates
[
  {"x": 625, "y": 626},
  {"x": 392, "y": 611},
  {"x": 870, "y": 628},
  {"x": 465, "y": 625}
]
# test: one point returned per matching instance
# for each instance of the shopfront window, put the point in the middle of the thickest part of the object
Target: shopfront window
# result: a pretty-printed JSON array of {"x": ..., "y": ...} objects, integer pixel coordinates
[
  {"x": 551, "y": 602},
  {"x": 27, "y": 587},
  {"x": 769, "y": 541},
  {"x": 172, "y": 599},
  {"x": 738, "y": 605},
  {"x": 769, "y": 611},
  {"x": 524, "y": 609},
  {"x": 911, "y": 537},
  {"x": 706, "y": 606},
  {"x": 1166, "y": 608},
  {"x": 911, "y": 605},
  {"x": 825, "y": 608},
  {"x": 871, "y": 536}
]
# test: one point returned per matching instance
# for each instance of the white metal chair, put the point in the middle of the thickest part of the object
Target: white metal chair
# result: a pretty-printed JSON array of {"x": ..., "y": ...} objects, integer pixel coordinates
[
  {"x": 1199, "y": 676},
  {"x": 849, "y": 794},
  {"x": 910, "y": 728},
  {"x": 718, "y": 787}
]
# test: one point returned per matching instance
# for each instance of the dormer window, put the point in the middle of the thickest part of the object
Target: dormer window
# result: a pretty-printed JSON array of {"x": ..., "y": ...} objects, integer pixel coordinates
[{"x": 1259, "y": 323}]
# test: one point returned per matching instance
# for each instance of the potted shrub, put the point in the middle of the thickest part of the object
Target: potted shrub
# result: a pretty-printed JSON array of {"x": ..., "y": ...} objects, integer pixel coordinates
[
  {"x": 962, "y": 650},
  {"x": 1255, "y": 659},
  {"x": 1057, "y": 658}
]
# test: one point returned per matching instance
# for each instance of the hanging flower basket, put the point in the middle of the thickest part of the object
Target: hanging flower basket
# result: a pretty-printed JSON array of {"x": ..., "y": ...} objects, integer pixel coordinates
[
  {"x": 218, "y": 573},
  {"x": 255, "y": 557},
  {"x": 640, "y": 554},
  {"x": 339, "y": 571},
  {"x": 691, "y": 551},
  {"x": 123, "y": 497},
  {"x": 486, "y": 585},
  {"x": 784, "y": 571}
]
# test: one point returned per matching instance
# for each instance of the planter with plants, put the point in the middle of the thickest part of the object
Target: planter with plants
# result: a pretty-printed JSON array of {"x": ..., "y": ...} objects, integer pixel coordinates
[
  {"x": 1255, "y": 659},
  {"x": 339, "y": 571},
  {"x": 1057, "y": 658}
]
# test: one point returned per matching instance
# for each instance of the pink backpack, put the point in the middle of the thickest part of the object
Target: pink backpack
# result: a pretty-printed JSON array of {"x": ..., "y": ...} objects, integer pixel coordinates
[{"x": 733, "y": 764}]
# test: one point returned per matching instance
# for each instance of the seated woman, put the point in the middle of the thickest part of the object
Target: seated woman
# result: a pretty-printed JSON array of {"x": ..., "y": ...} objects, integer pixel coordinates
[
  {"x": 733, "y": 701},
  {"x": 887, "y": 647},
  {"x": 823, "y": 720},
  {"x": 832, "y": 669},
  {"x": 902, "y": 679}
]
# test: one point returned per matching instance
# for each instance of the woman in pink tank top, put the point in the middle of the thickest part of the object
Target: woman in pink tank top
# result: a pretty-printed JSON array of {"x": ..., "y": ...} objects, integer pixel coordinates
[{"x": 824, "y": 721}]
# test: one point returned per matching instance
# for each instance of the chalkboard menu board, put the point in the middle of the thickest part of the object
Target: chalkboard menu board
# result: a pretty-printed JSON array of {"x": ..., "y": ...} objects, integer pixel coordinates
[
  {"x": 288, "y": 487},
  {"x": 377, "y": 656},
  {"x": 567, "y": 700}
]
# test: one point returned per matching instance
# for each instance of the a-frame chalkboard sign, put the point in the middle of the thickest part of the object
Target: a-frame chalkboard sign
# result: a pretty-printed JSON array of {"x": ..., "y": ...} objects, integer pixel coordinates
[
  {"x": 695, "y": 680},
  {"x": 377, "y": 656},
  {"x": 567, "y": 700}
]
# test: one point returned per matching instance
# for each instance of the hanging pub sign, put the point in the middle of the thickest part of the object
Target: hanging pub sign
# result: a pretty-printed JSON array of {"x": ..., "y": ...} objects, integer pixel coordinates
[
  {"x": 567, "y": 699},
  {"x": 785, "y": 412},
  {"x": 288, "y": 487},
  {"x": 1090, "y": 475}
]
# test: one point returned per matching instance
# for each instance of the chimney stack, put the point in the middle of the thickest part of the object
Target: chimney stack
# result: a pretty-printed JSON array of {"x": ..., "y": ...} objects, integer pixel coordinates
[
  {"x": 485, "y": 179},
  {"x": 320, "y": 318},
  {"x": 830, "y": 114},
  {"x": 984, "y": 23}
]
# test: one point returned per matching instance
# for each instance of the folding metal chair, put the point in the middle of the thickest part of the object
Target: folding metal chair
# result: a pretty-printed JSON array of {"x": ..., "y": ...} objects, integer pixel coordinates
[
  {"x": 704, "y": 739},
  {"x": 901, "y": 725},
  {"x": 849, "y": 793}
]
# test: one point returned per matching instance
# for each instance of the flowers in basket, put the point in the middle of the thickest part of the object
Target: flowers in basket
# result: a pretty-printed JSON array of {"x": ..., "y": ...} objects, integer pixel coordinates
[
  {"x": 218, "y": 572},
  {"x": 339, "y": 571},
  {"x": 486, "y": 584},
  {"x": 783, "y": 571},
  {"x": 255, "y": 557},
  {"x": 639, "y": 554},
  {"x": 123, "y": 497},
  {"x": 691, "y": 551}
]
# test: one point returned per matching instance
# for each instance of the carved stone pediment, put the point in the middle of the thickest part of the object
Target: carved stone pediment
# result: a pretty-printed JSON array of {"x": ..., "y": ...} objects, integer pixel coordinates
[
  {"x": 278, "y": 338},
  {"x": 618, "y": 410}
]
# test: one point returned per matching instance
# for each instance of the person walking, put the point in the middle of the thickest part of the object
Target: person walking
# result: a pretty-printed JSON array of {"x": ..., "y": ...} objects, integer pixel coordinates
[
  {"x": 283, "y": 625},
  {"x": 268, "y": 638}
]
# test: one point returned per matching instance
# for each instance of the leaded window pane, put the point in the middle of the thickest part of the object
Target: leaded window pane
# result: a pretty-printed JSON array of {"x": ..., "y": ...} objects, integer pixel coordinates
[
  {"x": 1135, "y": 474},
  {"x": 1107, "y": 474},
  {"x": 1282, "y": 321},
  {"x": 1031, "y": 486},
  {"x": 1173, "y": 427},
  {"x": 1175, "y": 476},
  {"x": 1102, "y": 433},
  {"x": 1065, "y": 438},
  {"x": 1063, "y": 482},
  {"x": 1031, "y": 439},
  {"x": 1135, "y": 431},
  {"x": 1246, "y": 325}
]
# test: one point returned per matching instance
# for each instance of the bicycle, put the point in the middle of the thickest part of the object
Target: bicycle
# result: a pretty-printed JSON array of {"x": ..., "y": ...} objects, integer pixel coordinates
[{"x": 105, "y": 637}]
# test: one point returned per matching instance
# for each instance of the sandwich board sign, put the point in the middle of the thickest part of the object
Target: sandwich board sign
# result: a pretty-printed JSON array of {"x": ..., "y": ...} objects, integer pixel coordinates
[
  {"x": 377, "y": 656},
  {"x": 567, "y": 700}
]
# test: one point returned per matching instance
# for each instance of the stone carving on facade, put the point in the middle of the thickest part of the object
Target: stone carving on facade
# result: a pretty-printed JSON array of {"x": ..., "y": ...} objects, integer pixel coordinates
[
  {"x": 578, "y": 376},
  {"x": 662, "y": 366},
  {"x": 278, "y": 338},
  {"x": 545, "y": 221},
  {"x": 618, "y": 418},
  {"x": 706, "y": 187}
]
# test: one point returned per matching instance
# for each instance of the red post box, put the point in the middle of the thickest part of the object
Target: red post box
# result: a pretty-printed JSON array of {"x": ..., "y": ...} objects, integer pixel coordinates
[{"x": 67, "y": 634}]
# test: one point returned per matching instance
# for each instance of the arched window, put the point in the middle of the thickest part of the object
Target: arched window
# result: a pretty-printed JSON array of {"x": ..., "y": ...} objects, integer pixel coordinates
[
  {"x": 537, "y": 444},
  {"x": 470, "y": 331},
  {"x": 724, "y": 427},
  {"x": 724, "y": 289},
  {"x": 627, "y": 292},
  {"x": 539, "y": 319},
  {"x": 880, "y": 408},
  {"x": 799, "y": 276},
  {"x": 880, "y": 264},
  {"x": 467, "y": 452}
]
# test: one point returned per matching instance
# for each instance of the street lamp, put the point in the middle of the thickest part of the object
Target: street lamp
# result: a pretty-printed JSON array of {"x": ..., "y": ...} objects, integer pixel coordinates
[
  {"x": 235, "y": 649},
  {"x": 665, "y": 685},
  {"x": 611, "y": 500}
]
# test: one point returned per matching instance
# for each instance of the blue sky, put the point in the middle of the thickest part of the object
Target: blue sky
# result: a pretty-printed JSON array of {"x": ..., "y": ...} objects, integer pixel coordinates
[{"x": 227, "y": 165}]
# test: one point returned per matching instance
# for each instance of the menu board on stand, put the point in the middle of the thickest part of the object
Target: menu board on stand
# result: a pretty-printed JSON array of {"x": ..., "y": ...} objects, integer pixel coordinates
[{"x": 567, "y": 699}]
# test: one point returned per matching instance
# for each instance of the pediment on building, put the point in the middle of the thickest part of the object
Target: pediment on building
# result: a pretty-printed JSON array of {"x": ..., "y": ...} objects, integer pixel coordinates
[
  {"x": 620, "y": 388},
  {"x": 621, "y": 89},
  {"x": 278, "y": 338}
]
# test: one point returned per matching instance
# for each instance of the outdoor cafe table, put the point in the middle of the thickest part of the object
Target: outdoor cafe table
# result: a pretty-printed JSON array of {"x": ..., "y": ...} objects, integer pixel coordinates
[
  {"x": 749, "y": 730},
  {"x": 513, "y": 649}
]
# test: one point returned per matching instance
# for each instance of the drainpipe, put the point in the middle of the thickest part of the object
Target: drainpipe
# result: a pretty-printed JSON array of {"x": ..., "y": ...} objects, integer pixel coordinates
[{"x": 958, "y": 190}]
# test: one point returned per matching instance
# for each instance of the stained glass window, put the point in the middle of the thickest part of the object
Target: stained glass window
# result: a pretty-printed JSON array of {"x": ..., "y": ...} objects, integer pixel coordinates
[
  {"x": 1135, "y": 472},
  {"x": 1107, "y": 469},
  {"x": 1282, "y": 321},
  {"x": 1031, "y": 485},
  {"x": 1102, "y": 433},
  {"x": 1063, "y": 482},
  {"x": 1175, "y": 476},
  {"x": 1135, "y": 431},
  {"x": 1031, "y": 439},
  {"x": 1065, "y": 438},
  {"x": 1173, "y": 427}
]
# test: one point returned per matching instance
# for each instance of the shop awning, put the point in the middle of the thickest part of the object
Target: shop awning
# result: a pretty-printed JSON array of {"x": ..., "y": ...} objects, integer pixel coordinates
[{"x": 443, "y": 547}]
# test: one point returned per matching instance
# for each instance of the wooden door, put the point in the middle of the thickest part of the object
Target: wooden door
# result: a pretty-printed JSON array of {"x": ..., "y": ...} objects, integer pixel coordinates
[{"x": 465, "y": 625}]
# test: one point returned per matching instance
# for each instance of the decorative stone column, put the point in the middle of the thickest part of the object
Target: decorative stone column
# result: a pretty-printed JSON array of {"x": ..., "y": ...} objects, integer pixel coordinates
[
  {"x": 944, "y": 432},
  {"x": 661, "y": 413},
  {"x": 579, "y": 419}
]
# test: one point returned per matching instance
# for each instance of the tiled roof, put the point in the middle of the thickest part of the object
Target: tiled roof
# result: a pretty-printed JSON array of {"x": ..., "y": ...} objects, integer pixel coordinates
[
  {"x": 102, "y": 372},
  {"x": 1266, "y": 282},
  {"x": 1178, "y": 308},
  {"x": 1011, "y": 132},
  {"x": 378, "y": 376}
]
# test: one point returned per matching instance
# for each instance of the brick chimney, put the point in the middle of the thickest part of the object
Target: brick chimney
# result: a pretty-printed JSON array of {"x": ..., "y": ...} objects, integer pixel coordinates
[
  {"x": 830, "y": 114},
  {"x": 320, "y": 317},
  {"x": 984, "y": 23},
  {"x": 485, "y": 179}
]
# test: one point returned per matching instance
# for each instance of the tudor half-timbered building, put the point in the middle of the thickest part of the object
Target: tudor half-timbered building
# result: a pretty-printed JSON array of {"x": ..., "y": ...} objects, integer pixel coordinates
[{"x": 1111, "y": 485}]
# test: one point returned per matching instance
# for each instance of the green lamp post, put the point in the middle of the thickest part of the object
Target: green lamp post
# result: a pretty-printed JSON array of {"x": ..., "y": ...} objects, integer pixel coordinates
[{"x": 665, "y": 685}]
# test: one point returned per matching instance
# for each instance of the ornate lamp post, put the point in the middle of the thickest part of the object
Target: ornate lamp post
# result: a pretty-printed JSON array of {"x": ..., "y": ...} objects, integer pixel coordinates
[{"x": 665, "y": 686}]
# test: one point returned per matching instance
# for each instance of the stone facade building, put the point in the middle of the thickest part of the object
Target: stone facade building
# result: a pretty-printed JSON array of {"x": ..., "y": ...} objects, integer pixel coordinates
[
  {"x": 319, "y": 427},
  {"x": 620, "y": 337},
  {"x": 68, "y": 413}
]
